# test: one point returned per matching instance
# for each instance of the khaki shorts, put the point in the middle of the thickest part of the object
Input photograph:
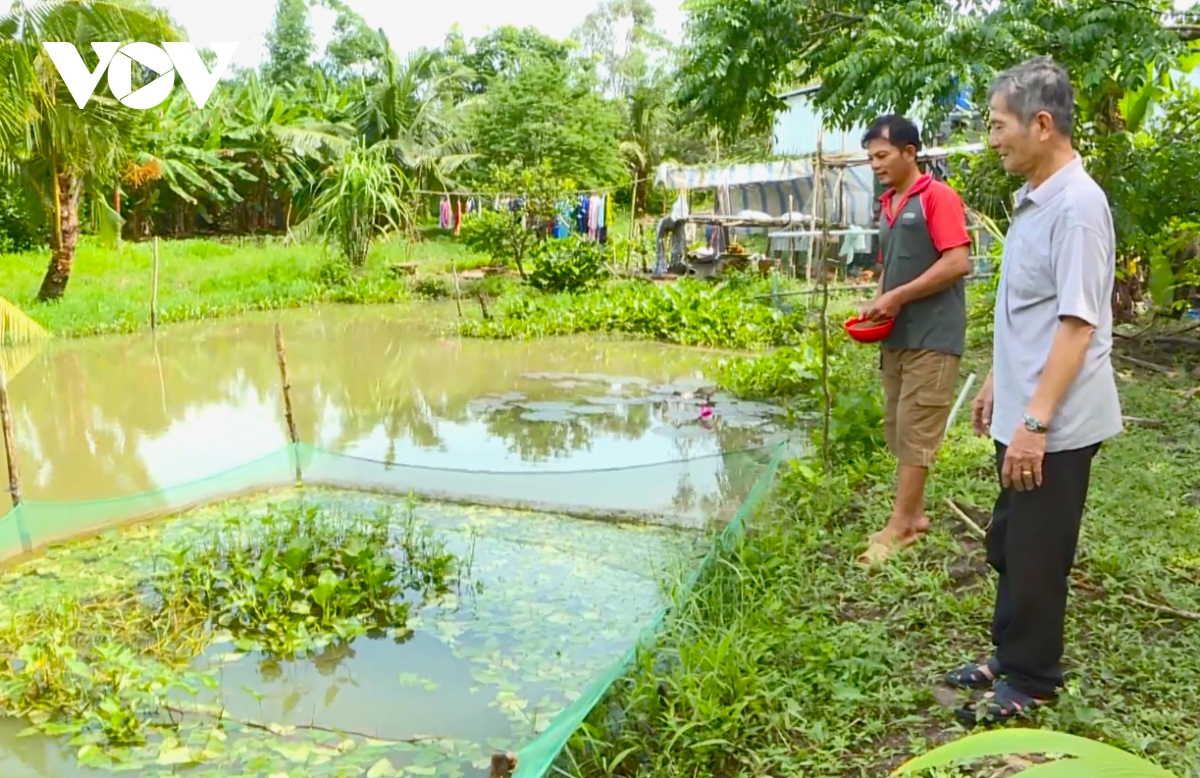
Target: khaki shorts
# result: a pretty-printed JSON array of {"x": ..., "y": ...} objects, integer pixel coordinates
[{"x": 918, "y": 388}]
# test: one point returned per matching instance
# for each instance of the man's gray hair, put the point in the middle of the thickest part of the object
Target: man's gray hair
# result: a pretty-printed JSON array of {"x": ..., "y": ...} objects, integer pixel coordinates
[{"x": 1037, "y": 85}]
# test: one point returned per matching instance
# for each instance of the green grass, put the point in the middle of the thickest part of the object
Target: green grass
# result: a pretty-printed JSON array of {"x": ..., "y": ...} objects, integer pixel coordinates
[
  {"x": 790, "y": 660},
  {"x": 110, "y": 289}
]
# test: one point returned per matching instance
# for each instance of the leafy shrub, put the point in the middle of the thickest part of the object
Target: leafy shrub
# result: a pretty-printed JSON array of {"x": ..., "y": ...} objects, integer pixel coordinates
[
  {"x": 688, "y": 312},
  {"x": 572, "y": 265},
  {"x": 432, "y": 287},
  {"x": 492, "y": 233},
  {"x": 782, "y": 374}
]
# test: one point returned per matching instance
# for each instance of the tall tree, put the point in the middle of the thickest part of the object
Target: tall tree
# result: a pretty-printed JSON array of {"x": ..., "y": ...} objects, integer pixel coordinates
[
  {"x": 874, "y": 56},
  {"x": 290, "y": 45},
  {"x": 355, "y": 49},
  {"x": 621, "y": 38},
  {"x": 499, "y": 55},
  {"x": 548, "y": 110}
]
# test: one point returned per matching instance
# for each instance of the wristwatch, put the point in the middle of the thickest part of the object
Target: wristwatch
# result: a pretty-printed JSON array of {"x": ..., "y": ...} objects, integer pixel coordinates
[{"x": 1033, "y": 425}]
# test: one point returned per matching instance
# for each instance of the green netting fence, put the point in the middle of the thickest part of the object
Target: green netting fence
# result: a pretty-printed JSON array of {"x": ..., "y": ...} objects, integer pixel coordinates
[{"x": 701, "y": 492}]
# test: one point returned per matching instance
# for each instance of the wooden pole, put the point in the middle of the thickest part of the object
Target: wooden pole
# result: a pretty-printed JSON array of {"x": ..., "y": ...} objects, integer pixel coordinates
[
  {"x": 10, "y": 448},
  {"x": 791, "y": 241},
  {"x": 839, "y": 195},
  {"x": 281, "y": 354},
  {"x": 154, "y": 288},
  {"x": 817, "y": 206},
  {"x": 457, "y": 291},
  {"x": 819, "y": 211}
]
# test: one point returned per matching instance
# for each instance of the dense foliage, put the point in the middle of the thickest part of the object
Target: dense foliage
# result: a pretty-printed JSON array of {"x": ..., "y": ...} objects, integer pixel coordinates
[
  {"x": 301, "y": 572},
  {"x": 101, "y": 664},
  {"x": 354, "y": 142},
  {"x": 691, "y": 313},
  {"x": 572, "y": 265},
  {"x": 874, "y": 57}
]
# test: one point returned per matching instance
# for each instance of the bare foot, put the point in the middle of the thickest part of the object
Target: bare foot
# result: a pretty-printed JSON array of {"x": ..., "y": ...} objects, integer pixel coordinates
[{"x": 891, "y": 538}]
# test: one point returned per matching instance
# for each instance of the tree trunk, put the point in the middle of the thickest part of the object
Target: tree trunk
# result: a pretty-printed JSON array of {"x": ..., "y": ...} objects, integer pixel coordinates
[
  {"x": 64, "y": 239},
  {"x": 640, "y": 189}
]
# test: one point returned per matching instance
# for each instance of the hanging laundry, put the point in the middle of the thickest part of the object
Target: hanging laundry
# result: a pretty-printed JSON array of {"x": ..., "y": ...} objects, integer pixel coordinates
[
  {"x": 581, "y": 215},
  {"x": 444, "y": 214},
  {"x": 458, "y": 215},
  {"x": 608, "y": 211},
  {"x": 594, "y": 203}
]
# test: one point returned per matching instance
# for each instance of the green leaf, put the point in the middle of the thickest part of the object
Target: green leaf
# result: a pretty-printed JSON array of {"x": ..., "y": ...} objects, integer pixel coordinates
[
  {"x": 1162, "y": 280},
  {"x": 382, "y": 769},
  {"x": 175, "y": 756},
  {"x": 1027, "y": 741},
  {"x": 1090, "y": 767}
]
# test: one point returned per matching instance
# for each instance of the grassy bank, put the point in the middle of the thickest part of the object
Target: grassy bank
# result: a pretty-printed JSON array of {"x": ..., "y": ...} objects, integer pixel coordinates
[
  {"x": 110, "y": 290},
  {"x": 791, "y": 660}
]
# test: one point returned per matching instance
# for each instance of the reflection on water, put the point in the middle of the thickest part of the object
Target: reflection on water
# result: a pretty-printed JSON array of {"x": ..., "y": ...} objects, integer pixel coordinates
[
  {"x": 108, "y": 417},
  {"x": 548, "y": 422}
]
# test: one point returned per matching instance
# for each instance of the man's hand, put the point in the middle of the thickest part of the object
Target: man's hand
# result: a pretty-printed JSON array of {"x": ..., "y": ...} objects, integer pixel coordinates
[
  {"x": 981, "y": 408},
  {"x": 1022, "y": 468},
  {"x": 885, "y": 306}
]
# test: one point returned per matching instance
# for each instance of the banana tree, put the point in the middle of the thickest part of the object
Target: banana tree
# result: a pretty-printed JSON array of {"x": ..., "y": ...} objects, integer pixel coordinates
[
  {"x": 279, "y": 143},
  {"x": 44, "y": 135},
  {"x": 175, "y": 160}
]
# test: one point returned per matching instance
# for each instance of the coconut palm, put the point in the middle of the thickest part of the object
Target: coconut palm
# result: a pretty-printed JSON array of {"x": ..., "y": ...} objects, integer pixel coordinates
[
  {"x": 16, "y": 326},
  {"x": 60, "y": 148},
  {"x": 405, "y": 109}
]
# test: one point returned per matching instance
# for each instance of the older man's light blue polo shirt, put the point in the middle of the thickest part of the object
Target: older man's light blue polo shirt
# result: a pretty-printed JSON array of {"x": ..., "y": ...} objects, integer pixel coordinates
[{"x": 1059, "y": 260}]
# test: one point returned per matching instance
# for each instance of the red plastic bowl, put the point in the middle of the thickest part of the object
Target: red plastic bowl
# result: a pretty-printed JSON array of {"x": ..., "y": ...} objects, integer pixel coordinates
[{"x": 867, "y": 331}]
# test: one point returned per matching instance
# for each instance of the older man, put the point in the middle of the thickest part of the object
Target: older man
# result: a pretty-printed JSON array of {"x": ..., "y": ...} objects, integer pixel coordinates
[{"x": 1050, "y": 399}]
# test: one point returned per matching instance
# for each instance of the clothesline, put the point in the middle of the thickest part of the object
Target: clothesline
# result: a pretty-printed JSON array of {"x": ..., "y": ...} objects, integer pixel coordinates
[{"x": 576, "y": 193}]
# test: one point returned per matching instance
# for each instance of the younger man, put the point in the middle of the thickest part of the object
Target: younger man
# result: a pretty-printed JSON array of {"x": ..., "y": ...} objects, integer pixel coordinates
[{"x": 925, "y": 249}]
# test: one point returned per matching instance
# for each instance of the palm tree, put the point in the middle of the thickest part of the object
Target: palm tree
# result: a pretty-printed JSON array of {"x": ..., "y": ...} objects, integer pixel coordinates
[
  {"x": 408, "y": 142},
  {"x": 405, "y": 109},
  {"x": 16, "y": 327},
  {"x": 44, "y": 135},
  {"x": 645, "y": 142}
]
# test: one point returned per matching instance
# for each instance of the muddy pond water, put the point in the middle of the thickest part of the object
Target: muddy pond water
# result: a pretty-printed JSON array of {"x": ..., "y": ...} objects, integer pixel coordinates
[{"x": 551, "y": 601}]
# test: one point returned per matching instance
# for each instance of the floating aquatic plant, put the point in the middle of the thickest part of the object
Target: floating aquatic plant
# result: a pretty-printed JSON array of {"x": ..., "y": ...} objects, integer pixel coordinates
[{"x": 301, "y": 572}]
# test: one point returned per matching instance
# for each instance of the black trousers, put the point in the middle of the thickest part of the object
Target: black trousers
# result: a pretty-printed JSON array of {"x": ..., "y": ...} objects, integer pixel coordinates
[{"x": 1031, "y": 544}]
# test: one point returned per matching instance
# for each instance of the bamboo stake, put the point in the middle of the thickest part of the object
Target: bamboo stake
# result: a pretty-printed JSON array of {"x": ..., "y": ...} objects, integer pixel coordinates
[
  {"x": 791, "y": 243},
  {"x": 10, "y": 448},
  {"x": 819, "y": 213},
  {"x": 457, "y": 291},
  {"x": 817, "y": 207},
  {"x": 154, "y": 288},
  {"x": 633, "y": 206},
  {"x": 962, "y": 516},
  {"x": 281, "y": 354}
]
